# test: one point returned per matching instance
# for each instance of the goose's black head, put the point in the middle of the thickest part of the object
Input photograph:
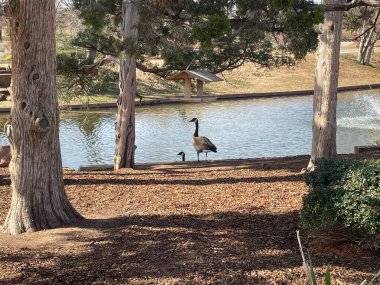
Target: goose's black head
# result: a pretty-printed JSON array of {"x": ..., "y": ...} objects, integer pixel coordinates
[
  {"x": 194, "y": 120},
  {"x": 183, "y": 155}
]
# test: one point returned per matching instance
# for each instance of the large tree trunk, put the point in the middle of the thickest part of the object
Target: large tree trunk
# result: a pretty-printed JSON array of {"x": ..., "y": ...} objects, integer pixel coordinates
[
  {"x": 38, "y": 197},
  {"x": 326, "y": 85},
  {"x": 125, "y": 125}
]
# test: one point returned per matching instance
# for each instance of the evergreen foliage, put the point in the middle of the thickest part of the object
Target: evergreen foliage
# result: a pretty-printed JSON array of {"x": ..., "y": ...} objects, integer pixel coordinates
[
  {"x": 344, "y": 197},
  {"x": 227, "y": 33}
]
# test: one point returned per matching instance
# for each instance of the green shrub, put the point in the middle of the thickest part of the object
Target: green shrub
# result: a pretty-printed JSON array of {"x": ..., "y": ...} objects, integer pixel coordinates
[{"x": 345, "y": 197}]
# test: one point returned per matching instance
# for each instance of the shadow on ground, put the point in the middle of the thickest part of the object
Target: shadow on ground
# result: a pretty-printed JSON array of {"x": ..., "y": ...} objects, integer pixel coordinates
[
  {"x": 218, "y": 248},
  {"x": 222, "y": 248},
  {"x": 195, "y": 182}
]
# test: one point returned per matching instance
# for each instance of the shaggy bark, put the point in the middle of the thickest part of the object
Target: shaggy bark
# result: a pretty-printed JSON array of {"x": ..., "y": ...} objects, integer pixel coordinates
[
  {"x": 326, "y": 86},
  {"x": 38, "y": 197},
  {"x": 125, "y": 125}
]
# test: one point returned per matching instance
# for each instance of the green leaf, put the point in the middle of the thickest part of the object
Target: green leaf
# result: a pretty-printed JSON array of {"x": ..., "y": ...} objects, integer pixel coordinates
[
  {"x": 312, "y": 275},
  {"x": 328, "y": 276}
]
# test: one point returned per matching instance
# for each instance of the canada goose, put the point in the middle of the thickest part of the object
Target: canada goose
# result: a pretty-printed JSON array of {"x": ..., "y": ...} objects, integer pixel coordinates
[
  {"x": 183, "y": 155},
  {"x": 201, "y": 144}
]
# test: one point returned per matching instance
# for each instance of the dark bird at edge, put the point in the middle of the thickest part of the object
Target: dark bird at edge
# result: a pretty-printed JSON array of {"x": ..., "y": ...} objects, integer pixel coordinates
[{"x": 182, "y": 154}]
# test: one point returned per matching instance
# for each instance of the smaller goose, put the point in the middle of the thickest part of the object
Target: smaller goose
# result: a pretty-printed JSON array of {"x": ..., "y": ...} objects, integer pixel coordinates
[
  {"x": 183, "y": 155},
  {"x": 201, "y": 144}
]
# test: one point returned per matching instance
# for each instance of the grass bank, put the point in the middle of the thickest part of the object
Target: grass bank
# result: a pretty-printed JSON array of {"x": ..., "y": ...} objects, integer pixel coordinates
[
  {"x": 246, "y": 79},
  {"x": 251, "y": 79}
]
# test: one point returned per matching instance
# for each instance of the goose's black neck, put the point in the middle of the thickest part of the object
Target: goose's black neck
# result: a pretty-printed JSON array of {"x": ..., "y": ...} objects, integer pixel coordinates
[{"x": 196, "y": 129}]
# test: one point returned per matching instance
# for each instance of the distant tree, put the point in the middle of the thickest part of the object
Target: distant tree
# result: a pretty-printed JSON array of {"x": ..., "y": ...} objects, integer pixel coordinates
[
  {"x": 364, "y": 23},
  {"x": 38, "y": 197}
]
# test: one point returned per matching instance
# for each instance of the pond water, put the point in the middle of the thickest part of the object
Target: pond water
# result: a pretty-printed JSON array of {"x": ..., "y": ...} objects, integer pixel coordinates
[{"x": 249, "y": 128}]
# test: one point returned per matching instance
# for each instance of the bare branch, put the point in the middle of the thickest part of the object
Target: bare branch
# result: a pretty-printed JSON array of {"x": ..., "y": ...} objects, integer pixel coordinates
[
  {"x": 92, "y": 68},
  {"x": 350, "y": 4},
  {"x": 370, "y": 28}
]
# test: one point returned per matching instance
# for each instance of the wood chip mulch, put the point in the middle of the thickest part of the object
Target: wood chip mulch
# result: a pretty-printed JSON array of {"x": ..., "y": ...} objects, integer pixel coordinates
[{"x": 227, "y": 222}]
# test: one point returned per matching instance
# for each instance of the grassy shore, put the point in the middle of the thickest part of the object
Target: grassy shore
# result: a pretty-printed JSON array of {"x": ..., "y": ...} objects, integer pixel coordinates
[
  {"x": 251, "y": 79},
  {"x": 247, "y": 79},
  {"x": 300, "y": 77}
]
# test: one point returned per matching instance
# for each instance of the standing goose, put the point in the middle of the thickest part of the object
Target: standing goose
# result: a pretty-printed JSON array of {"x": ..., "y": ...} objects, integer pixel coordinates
[{"x": 201, "y": 144}]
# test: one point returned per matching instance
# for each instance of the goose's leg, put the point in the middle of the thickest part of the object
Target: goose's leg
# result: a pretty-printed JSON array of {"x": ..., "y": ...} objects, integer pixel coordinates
[
  {"x": 206, "y": 156},
  {"x": 198, "y": 156}
]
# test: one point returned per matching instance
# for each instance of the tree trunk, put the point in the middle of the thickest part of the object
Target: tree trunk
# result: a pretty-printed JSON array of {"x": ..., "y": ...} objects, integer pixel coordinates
[
  {"x": 363, "y": 40},
  {"x": 91, "y": 55},
  {"x": 326, "y": 85},
  {"x": 38, "y": 197},
  {"x": 125, "y": 125},
  {"x": 368, "y": 39},
  {"x": 367, "y": 44},
  {"x": 371, "y": 46}
]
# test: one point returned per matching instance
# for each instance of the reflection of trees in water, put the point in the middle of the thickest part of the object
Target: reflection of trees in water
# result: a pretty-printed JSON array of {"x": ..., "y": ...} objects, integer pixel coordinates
[
  {"x": 184, "y": 114},
  {"x": 87, "y": 122},
  {"x": 90, "y": 126},
  {"x": 3, "y": 137},
  {"x": 183, "y": 111}
]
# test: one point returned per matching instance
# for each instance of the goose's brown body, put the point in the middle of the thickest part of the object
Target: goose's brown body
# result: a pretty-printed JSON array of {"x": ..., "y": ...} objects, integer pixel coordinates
[{"x": 202, "y": 144}]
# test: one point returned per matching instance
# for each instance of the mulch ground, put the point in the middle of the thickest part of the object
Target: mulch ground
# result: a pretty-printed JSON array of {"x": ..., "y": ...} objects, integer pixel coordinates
[{"x": 228, "y": 222}]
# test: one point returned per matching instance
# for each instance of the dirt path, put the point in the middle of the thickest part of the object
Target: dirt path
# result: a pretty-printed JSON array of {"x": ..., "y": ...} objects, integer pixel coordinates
[{"x": 230, "y": 222}]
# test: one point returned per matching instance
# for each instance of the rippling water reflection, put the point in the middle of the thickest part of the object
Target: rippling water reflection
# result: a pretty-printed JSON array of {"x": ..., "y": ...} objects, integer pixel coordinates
[{"x": 240, "y": 129}]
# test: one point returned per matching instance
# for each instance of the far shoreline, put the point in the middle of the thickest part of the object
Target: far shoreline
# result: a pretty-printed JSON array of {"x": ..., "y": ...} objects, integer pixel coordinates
[
  {"x": 300, "y": 160},
  {"x": 208, "y": 98}
]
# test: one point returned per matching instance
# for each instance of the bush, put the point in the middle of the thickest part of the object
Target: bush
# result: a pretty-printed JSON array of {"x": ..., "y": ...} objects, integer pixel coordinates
[{"x": 344, "y": 197}]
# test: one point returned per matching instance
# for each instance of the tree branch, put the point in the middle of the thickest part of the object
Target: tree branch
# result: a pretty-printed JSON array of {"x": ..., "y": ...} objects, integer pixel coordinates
[
  {"x": 367, "y": 30},
  {"x": 350, "y": 4}
]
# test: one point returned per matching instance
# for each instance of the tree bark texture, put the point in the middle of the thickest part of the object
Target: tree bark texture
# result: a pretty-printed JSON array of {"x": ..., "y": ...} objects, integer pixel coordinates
[
  {"x": 326, "y": 86},
  {"x": 38, "y": 197},
  {"x": 125, "y": 125}
]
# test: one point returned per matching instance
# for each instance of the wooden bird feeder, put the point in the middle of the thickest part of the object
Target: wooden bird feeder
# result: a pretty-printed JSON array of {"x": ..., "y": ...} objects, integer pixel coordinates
[{"x": 200, "y": 75}]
